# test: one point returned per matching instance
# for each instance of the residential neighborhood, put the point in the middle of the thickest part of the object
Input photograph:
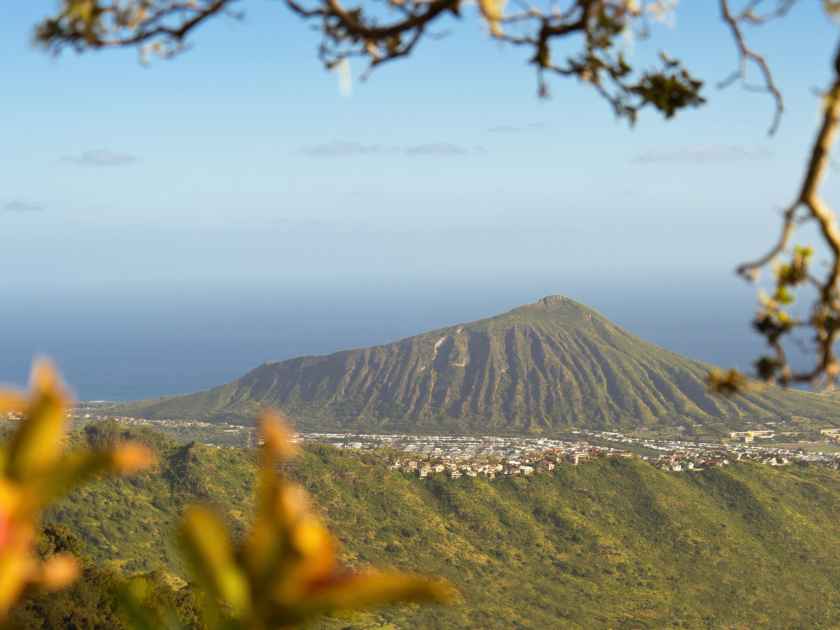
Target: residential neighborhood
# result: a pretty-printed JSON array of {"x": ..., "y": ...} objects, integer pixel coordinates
[{"x": 490, "y": 456}]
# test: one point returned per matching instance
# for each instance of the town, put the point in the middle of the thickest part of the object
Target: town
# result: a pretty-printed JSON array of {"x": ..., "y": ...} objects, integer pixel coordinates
[{"x": 491, "y": 456}]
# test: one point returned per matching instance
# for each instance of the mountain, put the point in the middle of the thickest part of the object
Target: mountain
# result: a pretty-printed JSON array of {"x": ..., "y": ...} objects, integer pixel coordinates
[
  {"x": 547, "y": 366},
  {"x": 610, "y": 544}
]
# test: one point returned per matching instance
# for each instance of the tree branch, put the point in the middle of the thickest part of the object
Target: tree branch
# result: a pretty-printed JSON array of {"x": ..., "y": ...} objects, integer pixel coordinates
[
  {"x": 163, "y": 24},
  {"x": 747, "y": 55},
  {"x": 773, "y": 321}
]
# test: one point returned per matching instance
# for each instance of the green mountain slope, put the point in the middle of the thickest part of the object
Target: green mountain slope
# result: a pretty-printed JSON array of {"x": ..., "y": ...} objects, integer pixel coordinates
[
  {"x": 611, "y": 544},
  {"x": 546, "y": 366}
]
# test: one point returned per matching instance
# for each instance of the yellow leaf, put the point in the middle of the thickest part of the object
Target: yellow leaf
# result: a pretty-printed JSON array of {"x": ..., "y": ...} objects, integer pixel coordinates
[
  {"x": 316, "y": 547},
  {"x": 16, "y": 569},
  {"x": 206, "y": 541},
  {"x": 61, "y": 478},
  {"x": 10, "y": 498},
  {"x": 12, "y": 401},
  {"x": 261, "y": 549},
  {"x": 292, "y": 503},
  {"x": 276, "y": 435},
  {"x": 44, "y": 378},
  {"x": 312, "y": 561},
  {"x": 370, "y": 588},
  {"x": 131, "y": 457},
  {"x": 38, "y": 442},
  {"x": 59, "y": 572},
  {"x": 493, "y": 12}
]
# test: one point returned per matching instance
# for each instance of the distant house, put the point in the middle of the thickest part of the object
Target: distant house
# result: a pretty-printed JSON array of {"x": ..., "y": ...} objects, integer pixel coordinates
[
  {"x": 577, "y": 458},
  {"x": 776, "y": 461},
  {"x": 749, "y": 436}
]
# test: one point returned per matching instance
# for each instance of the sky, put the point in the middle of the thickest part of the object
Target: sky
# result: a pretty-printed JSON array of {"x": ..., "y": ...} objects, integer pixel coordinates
[{"x": 164, "y": 227}]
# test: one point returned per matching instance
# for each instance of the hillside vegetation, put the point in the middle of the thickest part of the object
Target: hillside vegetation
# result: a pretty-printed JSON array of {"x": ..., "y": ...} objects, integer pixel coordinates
[
  {"x": 541, "y": 368},
  {"x": 611, "y": 544}
]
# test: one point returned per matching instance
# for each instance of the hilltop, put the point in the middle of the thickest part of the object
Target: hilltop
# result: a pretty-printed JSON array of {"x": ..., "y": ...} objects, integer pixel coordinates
[{"x": 540, "y": 368}]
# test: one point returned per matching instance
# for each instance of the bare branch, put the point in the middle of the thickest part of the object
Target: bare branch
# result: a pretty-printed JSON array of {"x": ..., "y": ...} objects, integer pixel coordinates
[
  {"x": 748, "y": 56},
  {"x": 750, "y": 270}
]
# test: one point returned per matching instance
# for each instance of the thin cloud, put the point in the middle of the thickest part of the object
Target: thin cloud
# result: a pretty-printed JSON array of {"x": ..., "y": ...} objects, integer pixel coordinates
[
  {"x": 357, "y": 149},
  {"x": 534, "y": 126},
  {"x": 101, "y": 157},
  {"x": 345, "y": 149},
  {"x": 439, "y": 148},
  {"x": 703, "y": 154},
  {"x": 18, "y": 206}
]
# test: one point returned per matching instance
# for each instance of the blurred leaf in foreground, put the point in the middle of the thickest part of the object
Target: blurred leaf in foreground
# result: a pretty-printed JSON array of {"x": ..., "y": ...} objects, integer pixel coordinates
[
  {"x": 284, "y": 571},
  {"x": 36, "y": 470}
]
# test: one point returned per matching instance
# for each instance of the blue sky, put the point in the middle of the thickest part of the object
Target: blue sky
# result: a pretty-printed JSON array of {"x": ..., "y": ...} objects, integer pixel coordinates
[{"x": 239, "y": 169}]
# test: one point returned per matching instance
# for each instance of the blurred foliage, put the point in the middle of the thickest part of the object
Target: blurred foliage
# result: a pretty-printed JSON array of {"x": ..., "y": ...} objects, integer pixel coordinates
[
  {"x": 161, "y": 25},
  {"x": 281, "y": 573},
  {"x": 36, "y": 470},
  {"x": 727, "y": 382},
  {"x": 284, "y": 570}
]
